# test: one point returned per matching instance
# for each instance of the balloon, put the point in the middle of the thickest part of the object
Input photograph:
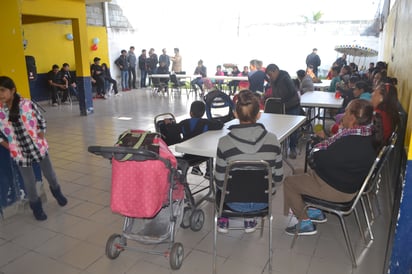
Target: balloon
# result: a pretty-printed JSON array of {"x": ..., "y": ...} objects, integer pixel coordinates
[
  {"x": 94, "y": 47},
  {"x": 69, "y": 36},
  {"x": 96, "y": 41}
]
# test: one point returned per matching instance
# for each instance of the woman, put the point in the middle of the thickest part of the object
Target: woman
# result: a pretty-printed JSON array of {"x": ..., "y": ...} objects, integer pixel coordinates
[
  {"x": 385, "y": 103},
  {"x": 23, "y": 128},
  {"x": 247, "y": 141}
]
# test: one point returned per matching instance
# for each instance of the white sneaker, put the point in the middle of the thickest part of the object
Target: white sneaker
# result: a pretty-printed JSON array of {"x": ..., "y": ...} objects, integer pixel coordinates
[{"x": 118, "y": 94}]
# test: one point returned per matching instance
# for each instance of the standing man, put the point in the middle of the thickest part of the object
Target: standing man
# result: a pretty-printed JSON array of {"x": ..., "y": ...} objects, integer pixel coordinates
[
  {"x": 131, "y": 58},
  {"x": 165, "y": 58},
  {"x": 341, "y": 61},
  {"x": 123, "y": 65},
  {"x": 143, "y": 68},
  {"x": 153, "y": 61},
  {"x": 314, "y": 61},
  {"x": 284, "y": 88},
  {"x": 177, "y": 61}
]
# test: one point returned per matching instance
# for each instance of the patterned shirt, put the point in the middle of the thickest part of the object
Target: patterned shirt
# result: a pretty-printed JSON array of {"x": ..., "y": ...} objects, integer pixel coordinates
[
  {"x": 22, "y": 136},
  {"x": 358, "y": 130}
]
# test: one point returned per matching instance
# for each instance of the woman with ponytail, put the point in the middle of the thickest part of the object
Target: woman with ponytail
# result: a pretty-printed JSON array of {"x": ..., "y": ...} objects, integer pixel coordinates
[{"x": 23, "y": 127}]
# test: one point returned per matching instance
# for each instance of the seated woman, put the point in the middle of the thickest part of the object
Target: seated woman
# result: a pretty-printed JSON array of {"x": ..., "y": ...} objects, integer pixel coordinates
[
  {"x": 247, "y": 141},
  {"x": 339, "y": 165},
  {"x": 385, "y": 103}
]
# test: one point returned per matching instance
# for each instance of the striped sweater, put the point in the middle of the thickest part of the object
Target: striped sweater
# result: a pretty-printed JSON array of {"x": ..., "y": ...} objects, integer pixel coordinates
[{"x": 248, "y": 142}]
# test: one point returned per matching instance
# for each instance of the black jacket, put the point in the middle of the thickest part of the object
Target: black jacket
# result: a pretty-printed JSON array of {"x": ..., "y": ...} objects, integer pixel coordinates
[{"x": 284, "y": 88}]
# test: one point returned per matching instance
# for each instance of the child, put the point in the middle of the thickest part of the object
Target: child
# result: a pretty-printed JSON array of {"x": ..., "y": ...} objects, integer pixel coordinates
[
  {"x": 23, "y": 127},
  {"x": 196, "y": 125},
  {"x": 248, "y": 140}
]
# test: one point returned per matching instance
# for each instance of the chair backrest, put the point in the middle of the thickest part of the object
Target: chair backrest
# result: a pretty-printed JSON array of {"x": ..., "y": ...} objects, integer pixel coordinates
[
  {"x": 247, "y": 181},
  {"x": 156, "y": 81},
  {"x": 219, "y": 106},
  {"x": 372, "y": 176},
  {"x": 169, "y": 131},
  {"x": 274, "y": 105}
]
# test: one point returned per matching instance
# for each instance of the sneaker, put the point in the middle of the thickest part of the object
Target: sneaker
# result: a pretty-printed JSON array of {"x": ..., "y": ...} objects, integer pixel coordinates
[
  {"x": 306, "y": 228},
  {"x": 196, "y": 171},
  {"x": 223, "y": 225},
  {"x": 65, "y": 103},
  {"x": 316, "y": 215},
  {"x": 118, "y": 94},
  {"x": 55, "y": 104},
  {"x": 292, "y": 153},
  {"x": 250, "y": 225}
]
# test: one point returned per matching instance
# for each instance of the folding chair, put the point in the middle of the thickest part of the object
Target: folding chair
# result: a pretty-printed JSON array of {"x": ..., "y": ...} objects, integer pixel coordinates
[
  {"x": 245, "y": 182},
  {"x": 274, "y": 105},
  {"x": 219, "y": 106},
  {"x": 176, "y": 84},
  {"x": 344, "y": 209},
  {"x": 157, "y": 85}
]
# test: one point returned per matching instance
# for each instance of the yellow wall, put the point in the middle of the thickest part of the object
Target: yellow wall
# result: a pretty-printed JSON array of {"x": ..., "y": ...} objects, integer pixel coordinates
[
  {"x": 397, "y": 52},
  {"x": 59, "y": 50}
]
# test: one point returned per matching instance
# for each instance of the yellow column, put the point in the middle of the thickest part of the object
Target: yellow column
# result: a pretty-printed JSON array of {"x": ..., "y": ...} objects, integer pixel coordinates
[{"x": 12, "y": 62}]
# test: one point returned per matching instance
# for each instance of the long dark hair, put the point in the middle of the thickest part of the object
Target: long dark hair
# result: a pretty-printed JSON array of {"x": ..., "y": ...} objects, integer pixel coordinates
[
  {"x": 8, "y": 83},
  {"x": 390, "y": 101}
]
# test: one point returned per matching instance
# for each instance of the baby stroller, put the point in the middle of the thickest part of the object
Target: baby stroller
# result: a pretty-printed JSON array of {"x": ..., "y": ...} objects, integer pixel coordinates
[
  {"x": 147, "y": 189},
  {"x": 193, "y": 216}
]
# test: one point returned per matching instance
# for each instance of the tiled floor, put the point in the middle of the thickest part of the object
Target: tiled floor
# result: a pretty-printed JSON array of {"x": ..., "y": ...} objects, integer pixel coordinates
[{"x": 73, "y": 238}]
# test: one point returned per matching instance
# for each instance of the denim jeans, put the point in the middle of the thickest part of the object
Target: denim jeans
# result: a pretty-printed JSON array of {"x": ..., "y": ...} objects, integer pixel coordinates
[
  {"x": 246, "y": 207},
  {"x": 125, "y": 79}
]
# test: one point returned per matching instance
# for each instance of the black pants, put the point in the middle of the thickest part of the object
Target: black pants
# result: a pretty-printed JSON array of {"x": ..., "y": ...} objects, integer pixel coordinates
[{"x": 132, "y": 78}]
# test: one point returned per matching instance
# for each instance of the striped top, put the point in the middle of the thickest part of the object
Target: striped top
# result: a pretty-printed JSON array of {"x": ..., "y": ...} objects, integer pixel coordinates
[{"x": 248, "y": 142}]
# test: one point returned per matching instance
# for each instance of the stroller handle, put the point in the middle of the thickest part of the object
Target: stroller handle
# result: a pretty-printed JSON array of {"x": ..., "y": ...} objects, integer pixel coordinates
[{"x": 110, "y": 152}]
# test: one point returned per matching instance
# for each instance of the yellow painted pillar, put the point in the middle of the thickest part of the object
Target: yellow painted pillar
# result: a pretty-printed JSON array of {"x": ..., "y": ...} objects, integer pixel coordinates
[{"x": 12, "y": 62}]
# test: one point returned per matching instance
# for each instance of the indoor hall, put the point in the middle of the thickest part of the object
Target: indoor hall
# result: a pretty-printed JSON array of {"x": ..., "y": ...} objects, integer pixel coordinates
[{"x": 73, "y": 238}]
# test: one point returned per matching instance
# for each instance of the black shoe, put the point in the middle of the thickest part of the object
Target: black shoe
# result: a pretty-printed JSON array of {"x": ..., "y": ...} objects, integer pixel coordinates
[
  {"x": 38, "y": 210},
  {"x": 57, "y": 193}
]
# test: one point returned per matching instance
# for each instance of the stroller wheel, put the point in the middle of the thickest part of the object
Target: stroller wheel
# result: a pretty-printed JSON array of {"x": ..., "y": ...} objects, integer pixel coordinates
[
  {"x": 114, "y": 246},
  {"x": 197, "y": 220},
  {"x": 187, "y": 214},
  {"x": 176, "y": 256}
]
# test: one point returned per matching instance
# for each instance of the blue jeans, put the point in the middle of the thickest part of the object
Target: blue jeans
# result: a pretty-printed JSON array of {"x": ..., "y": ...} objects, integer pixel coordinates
[
  {"x": 246, "y": 207},
  {"x": 125, "y": 79},
  {"x": 143, "y": 75}
]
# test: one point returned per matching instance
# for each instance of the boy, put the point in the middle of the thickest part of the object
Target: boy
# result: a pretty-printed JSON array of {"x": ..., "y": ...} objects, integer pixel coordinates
[{"x": 196, "y": 125}]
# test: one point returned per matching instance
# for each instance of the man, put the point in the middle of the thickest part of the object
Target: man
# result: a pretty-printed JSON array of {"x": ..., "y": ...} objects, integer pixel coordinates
[
  {"x": 123, "y": 64},
  {"x": 341, "y": 61},
  {"x": 96, "y": 72},
  {"x": 283, "y": 87},
  {"x": 256, "y": 77},
  {"x": 143, "y": 68},
  {"x": 69, "y": 79},
  {"x": 165, "y": 58},
  {"x": 176, "y": 61},
  {"x": 131, "y": 58},
  {"x": 313, "y": 60},
  {"x": 153, "y": 61},
  {"x": 306, "y": 82},
  {"x": 339, "y": 166},
  {"x": 56, "y": 84}
]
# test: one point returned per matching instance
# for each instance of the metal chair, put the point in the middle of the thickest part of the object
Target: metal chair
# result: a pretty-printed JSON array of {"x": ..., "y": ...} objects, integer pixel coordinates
[
  {"x": 345, "y": 209},
  {"x": 274, "y": 105},
  {"x": 158, "y": 86},
  {"x": 176, "y": 84},
  {"x": 245, "y": 181}
]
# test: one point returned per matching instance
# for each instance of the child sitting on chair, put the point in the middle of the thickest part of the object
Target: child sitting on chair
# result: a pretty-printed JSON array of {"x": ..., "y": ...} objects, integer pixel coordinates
[
  {"x": 196, "y": 125},
  {"x": 248, "y": 140}
]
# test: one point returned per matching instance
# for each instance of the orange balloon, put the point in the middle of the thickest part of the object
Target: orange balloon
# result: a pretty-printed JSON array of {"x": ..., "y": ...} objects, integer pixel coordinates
[{"x": 94, "y": 47}]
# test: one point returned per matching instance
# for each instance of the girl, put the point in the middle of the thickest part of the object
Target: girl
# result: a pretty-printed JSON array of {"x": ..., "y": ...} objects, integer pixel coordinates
[{"x": 23, "y": 127}]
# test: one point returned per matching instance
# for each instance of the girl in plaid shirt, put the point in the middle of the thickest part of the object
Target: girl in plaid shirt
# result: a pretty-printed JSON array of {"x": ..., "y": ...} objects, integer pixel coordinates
[{"x": 23, "y": 128}]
